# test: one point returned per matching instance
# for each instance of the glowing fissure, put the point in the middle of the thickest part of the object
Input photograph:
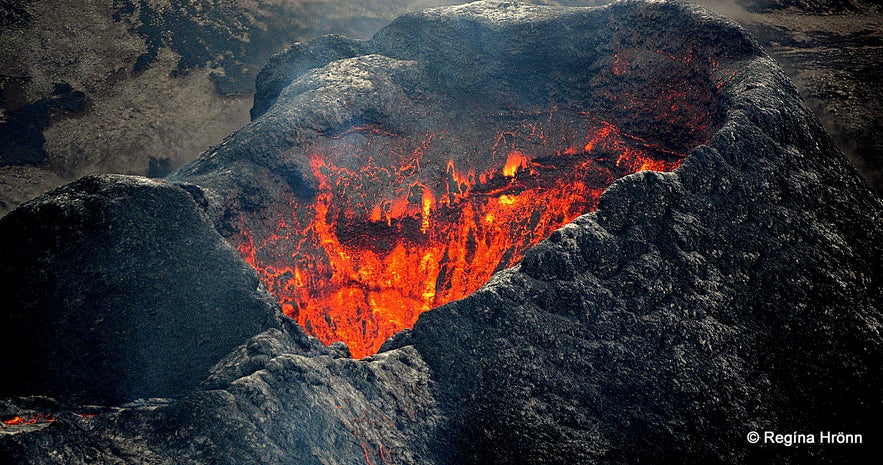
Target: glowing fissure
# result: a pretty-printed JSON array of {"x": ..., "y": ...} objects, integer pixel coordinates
[
  {"x": 38, "y": 418},
  {"x": 379, "y": 245}
]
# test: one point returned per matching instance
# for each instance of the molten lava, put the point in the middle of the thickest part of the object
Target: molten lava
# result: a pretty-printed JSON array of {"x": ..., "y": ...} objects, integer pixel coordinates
[
  {"x": 38, "y": 418},
  {"x": 392, "y": 225},
  {"x": 364, "y": 266}
]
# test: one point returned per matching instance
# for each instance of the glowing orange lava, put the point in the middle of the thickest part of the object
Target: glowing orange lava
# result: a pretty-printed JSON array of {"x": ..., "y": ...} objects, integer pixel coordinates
[
  {"x": 395, "y": 223},
  {"x": 38, "y": 418},
  {"x": 379, "y": 245}
]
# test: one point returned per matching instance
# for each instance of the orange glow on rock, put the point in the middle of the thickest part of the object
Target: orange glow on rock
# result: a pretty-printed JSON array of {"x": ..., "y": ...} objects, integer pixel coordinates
[
  {"x": 515, "y": 162},
  {"x": 38, "y": 418},
  {"x": 378, "y": 245},
  {"x": 400, "y": 221}
]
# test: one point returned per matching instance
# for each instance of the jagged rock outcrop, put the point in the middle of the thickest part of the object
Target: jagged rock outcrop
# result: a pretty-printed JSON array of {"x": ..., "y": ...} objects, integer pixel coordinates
[
  {"x": 117, "y": 288},
  {"x": 740, "y": 292},
  {"x": 277, "y": 399}
]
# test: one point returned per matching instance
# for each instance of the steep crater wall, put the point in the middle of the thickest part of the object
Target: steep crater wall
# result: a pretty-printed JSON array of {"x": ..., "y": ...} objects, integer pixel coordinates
[{"x": 390, "y": 176}]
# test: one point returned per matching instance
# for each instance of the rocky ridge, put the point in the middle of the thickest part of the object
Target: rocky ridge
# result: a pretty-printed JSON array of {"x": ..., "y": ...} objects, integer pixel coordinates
[{"x": 118, "y": 288}]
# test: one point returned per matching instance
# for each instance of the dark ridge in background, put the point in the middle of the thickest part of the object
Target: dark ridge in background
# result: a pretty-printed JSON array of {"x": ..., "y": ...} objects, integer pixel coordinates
[{"x": 808, "y": 6}]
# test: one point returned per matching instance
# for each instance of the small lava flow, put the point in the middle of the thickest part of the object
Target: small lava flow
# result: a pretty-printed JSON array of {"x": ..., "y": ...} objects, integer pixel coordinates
[
  {"x": 399, "y": 224},
  {"x": 36, "y": 419}
]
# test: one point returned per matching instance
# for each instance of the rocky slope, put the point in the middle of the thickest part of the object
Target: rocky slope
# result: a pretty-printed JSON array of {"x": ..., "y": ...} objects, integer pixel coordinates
[
  {"x": 831, "y": 51},
  {"x": 118, "y": 288},
  {"x": 164, "y": 80},
  {"x": 155, "y": 82},
  {"x": 738, "y": 293}
]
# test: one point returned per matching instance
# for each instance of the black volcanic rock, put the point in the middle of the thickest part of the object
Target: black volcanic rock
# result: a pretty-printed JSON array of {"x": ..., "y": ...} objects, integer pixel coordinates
[
  {"x": 809, "y": 6},
  {"x": 463, "y": 66},
  {"x": 276, "y": 399},
  {"x": 117, "y": 288},
  {"x": 294, "y": 62},
  {"x": 740, "y": 292},
  {"x": 235, "y": 38},
  {"x": 163, "y": 78}
]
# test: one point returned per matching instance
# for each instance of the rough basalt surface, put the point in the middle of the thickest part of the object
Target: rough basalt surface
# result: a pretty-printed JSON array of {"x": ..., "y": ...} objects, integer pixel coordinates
[
  {"x": 738, "y": 293},
  {"x": 117, "y": 288},
  {"x": 146, "y": 85}
]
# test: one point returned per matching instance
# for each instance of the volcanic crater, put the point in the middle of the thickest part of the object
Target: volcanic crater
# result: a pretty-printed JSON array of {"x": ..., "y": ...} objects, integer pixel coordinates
[
  {"x": 424, "y": 164},
  {"x": 728, "y": 280}
]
